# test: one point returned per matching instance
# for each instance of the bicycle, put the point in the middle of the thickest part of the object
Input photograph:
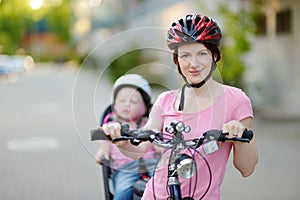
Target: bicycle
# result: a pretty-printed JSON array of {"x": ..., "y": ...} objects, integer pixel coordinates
[{"x": 179, "y": 164}]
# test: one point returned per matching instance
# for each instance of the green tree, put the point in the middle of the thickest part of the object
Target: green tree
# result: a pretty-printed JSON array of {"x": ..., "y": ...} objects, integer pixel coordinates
[
  {"x": 128, "y": 61},
  {"x": 17, "y": 19},
  {"x": 12, "y": 14},
  {"x": 238, "y": 26},
  {"x": 59, "y": 20}
]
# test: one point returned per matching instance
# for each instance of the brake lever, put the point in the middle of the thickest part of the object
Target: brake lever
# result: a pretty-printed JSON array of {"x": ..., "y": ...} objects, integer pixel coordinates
[
  {"x": 239, "y": 139},
  {"x": 210, "y": 139},
  {"x": 121, "y": 138}
]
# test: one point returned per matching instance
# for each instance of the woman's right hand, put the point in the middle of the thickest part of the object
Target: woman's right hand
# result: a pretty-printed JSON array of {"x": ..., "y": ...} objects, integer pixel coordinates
[{"x": 114, "y": 131}]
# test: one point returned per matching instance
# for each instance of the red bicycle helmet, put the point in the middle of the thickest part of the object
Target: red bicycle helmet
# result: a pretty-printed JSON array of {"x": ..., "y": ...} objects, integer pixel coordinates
[{"x": 193, "y": 28}]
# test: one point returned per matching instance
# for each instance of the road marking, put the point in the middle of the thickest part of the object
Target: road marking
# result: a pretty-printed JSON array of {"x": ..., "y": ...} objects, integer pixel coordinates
[{"x": 32, "y": 144}]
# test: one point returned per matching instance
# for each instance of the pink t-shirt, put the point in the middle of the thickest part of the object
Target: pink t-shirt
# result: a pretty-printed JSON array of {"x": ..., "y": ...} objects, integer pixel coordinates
[
  {"x": 120, "y": 159},
  {"x": 233, "y": 104}
]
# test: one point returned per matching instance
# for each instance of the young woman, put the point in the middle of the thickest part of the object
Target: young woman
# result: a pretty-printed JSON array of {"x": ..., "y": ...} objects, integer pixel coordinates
[{"x": 203, "y": 104}]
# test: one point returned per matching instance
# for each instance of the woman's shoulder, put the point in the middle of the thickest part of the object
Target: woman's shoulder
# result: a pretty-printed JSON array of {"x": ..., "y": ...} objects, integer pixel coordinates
[
  {"x": 238, "y": 102},
  {"x": 233, "y": 91},
  {"x": 236, "y": 96},
  {"x": 170, "y": 94}
]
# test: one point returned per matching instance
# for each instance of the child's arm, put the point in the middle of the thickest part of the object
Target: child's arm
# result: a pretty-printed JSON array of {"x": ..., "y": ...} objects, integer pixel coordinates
[{"x": 103, "y": 151}]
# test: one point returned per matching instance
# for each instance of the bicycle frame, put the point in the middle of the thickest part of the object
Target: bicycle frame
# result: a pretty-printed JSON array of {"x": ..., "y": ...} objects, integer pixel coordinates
[{"x": 208, "y": 141}]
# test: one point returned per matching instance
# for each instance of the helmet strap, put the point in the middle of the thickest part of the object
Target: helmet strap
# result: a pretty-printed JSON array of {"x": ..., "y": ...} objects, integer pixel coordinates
[
  {"x": 181, "y": 104},
  {"x": 197, "y": 85}
]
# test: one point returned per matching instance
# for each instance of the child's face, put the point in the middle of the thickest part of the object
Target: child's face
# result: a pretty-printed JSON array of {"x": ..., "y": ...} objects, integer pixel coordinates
[{"x": 129, "y": 104}]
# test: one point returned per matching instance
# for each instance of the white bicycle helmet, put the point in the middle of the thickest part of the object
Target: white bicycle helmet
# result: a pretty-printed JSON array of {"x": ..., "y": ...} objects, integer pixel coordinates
[{"x": 135, "y": 81}]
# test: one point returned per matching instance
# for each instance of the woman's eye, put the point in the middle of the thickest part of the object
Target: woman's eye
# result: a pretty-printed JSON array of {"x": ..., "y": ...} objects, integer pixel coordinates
[
  {"x": 203, "y": 53},
  {"x": 183, "y": 56}
]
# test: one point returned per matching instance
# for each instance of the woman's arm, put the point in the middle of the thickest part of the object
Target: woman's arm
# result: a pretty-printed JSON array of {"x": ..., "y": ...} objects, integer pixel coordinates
[
  {"x": 129, "y": 150},
  {"x": 245, "y": 155}
]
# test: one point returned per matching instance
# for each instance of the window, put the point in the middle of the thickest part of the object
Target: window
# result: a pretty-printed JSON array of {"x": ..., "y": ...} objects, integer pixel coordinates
[{"x": 283, "y": 22}]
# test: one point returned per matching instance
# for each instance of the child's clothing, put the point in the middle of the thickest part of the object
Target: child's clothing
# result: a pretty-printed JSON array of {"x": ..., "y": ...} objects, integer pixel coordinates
[
  {"x": 126, "y": 170},
  {"x": 118, "y": 158}
]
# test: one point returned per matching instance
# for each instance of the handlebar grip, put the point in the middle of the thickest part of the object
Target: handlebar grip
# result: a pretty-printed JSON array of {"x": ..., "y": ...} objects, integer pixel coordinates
[
  {"x": 247, "y": 134},
  {"x": 98, "y": 134},
  {"x": 246, "y": 137}
]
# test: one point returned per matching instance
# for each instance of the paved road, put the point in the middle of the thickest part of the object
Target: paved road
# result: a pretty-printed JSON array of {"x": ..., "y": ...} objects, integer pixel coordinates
[
  {"x": 45, "y": 148},
  {"x": 45, "y": 152}
]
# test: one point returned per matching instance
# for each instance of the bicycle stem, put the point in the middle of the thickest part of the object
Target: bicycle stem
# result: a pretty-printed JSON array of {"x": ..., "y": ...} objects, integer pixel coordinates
[{"x": 173, "y": 181}]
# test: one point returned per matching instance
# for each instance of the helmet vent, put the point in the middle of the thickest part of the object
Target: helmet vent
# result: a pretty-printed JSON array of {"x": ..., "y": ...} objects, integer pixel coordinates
[
  {"x": 195, "y": 28},
  {"x": 197, "y": 19},
  {"x": 181, "y": 22}
]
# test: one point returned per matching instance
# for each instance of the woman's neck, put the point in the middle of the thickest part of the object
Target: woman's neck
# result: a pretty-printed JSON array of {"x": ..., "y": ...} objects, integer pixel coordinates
[
  {"x": 198, "y": 99},
  {"x": 210, "y": 89}
]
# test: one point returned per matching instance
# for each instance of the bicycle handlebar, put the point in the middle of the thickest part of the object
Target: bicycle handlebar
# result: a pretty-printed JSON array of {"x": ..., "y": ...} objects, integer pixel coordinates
[
  {"x": 141, "y": 135},
  {"x": 176, "y": 142}
]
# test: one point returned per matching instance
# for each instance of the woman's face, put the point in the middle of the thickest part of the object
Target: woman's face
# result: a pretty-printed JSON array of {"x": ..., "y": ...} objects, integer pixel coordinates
[
  {"x": 129, "y": 104},
  {"x": 195, "y": 62}
]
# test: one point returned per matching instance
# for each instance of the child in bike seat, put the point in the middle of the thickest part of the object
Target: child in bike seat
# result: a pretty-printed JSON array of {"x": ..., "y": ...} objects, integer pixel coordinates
[{"x": 131, "y": 105}]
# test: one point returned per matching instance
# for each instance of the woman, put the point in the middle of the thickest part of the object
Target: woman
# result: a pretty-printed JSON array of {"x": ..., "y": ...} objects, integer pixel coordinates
[{"x": 203, "y": 104}]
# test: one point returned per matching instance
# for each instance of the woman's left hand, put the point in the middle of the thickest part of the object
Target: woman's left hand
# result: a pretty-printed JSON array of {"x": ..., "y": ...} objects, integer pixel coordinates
[{"x": 234, "y": 128}]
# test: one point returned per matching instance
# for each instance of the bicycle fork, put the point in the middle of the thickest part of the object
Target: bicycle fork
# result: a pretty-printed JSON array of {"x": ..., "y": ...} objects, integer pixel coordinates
[{"x": 173, "y": 184}]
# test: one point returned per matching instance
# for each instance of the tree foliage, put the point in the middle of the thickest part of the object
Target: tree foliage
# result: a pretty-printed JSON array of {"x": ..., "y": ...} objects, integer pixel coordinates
[
  {"x": 17, "y": 19},
  {"x": 237, "y": 26},
  {"x": 128, "y": 61}
]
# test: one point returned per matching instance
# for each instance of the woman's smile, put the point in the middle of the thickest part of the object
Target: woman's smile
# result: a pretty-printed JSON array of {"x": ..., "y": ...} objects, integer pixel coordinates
[{"x": 196, "y": 72}]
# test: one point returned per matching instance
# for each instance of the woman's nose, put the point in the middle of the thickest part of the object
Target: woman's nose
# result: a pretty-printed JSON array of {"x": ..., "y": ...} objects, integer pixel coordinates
[{"x": 194, "y": 61}]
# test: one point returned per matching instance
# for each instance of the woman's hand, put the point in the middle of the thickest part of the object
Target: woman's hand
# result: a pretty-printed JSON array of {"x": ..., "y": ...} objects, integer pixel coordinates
[
  {"x": 114, "y": 131},
  {"x": 245, "y": 155},
  {"x": 234, "y": 128}
]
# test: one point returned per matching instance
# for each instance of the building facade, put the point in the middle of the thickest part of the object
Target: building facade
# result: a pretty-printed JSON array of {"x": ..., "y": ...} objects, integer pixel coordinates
[{"x": 273, "y": 73}]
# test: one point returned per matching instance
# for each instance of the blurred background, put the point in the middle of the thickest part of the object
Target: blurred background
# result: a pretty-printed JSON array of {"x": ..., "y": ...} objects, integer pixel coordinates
[{"x": 59, "y": 58}]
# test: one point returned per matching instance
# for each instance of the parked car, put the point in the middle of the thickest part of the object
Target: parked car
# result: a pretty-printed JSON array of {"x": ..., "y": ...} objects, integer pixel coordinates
[
  {"x": 15, "y": 63},
  {"x": 3, "y": 66}
]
